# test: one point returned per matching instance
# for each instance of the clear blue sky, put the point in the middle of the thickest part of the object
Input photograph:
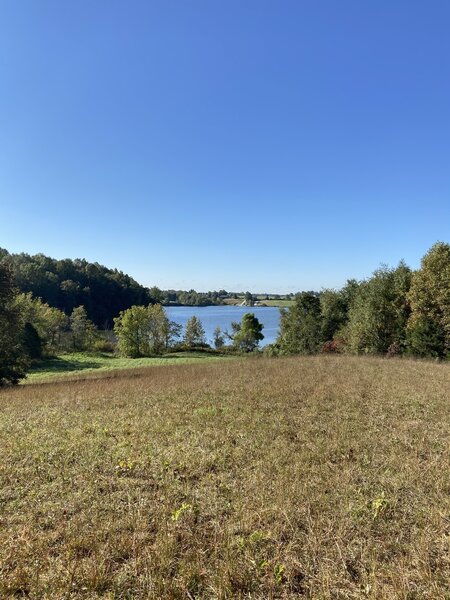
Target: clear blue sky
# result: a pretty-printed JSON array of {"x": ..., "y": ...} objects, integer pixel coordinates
[{"x": 240, "y": 144}]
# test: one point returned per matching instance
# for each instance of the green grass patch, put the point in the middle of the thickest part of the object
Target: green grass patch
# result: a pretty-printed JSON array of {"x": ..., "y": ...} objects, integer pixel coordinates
[
  {"x": 79, "y": 363},
  {"x": 280, "y": 303}
]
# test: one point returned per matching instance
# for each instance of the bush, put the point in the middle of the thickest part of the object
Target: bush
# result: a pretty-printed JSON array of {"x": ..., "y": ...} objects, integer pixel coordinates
[
  {"x": 271, "y": 350},
  {"x": 103, "y": 345},
  {"x": 395, "y": 349}
]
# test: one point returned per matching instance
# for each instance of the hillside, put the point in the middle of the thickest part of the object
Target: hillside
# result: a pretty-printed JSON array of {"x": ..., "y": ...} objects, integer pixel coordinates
[
  {"x": 68, "y": 283},
  {"x": 316, "y": 477}
]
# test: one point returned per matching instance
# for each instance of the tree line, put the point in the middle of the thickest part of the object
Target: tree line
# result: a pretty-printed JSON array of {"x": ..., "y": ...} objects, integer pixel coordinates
[
  {"x": 66, "y": 284},
  {"x": 31, "y": 329},
  {"x": 396, "y": 312}
]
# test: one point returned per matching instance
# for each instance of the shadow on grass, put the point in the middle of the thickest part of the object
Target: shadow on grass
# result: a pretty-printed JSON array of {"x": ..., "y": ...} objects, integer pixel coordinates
[{"x": 61, "y": 365}]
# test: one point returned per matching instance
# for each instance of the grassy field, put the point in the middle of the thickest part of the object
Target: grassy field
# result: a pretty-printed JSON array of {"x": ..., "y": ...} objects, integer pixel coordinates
[
  {"x": 79, "y": 364},
  {"x": 280, "y": 303},
  {"x": 322, "y": 477}
]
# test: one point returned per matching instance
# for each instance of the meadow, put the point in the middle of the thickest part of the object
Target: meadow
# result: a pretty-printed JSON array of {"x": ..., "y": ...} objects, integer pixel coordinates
[
  {"x": 81, "y": 364},
  {"x": 322, "y": 477}
]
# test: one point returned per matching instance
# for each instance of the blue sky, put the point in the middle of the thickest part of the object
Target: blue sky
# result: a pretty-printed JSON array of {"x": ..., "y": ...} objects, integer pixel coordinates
[{"x": 269, "y": 146}]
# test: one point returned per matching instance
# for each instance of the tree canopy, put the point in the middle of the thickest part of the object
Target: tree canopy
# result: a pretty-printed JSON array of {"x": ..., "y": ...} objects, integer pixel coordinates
[
  {"x": 143, "y": 331},
  {"x": 13, "y": 355},
  {"x": 66, "y": 284},
  {"x": 247, "y": 334},
  {"x": 194, "y": 334}
]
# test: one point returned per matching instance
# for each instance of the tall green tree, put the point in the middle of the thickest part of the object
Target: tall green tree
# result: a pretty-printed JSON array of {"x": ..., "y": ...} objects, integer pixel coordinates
[
  {"x": 429, "y": 325},
  {"x": 247, "y": 334},
  {"x": 194, "y": 334},
  {"x": 379, "y": 312},
  {"x": 142, "y": 331},
  {"x": 301, "y": 326},
  {"x": 49, "y": 323},
  {"x": 219, "y": 338},
  {"x": 13, "y": 356},
  {"x": 84, "y": 332}
]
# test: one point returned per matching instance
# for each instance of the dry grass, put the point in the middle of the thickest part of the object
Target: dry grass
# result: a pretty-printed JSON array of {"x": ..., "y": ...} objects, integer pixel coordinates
[{"x": 324, "y": 477}]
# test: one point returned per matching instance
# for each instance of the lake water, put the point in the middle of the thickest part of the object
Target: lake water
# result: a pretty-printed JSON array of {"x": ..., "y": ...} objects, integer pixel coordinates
[{"x": 222, "y": 316}]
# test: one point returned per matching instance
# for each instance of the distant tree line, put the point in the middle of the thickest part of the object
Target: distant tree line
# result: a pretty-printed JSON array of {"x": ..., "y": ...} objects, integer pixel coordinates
[
  {"x": 66, "y": 284},
  {"x": 395, "y": 312}
]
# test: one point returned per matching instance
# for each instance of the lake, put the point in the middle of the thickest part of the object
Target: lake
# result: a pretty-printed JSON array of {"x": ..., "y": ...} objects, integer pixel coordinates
[{"x": 222, "y": 316}]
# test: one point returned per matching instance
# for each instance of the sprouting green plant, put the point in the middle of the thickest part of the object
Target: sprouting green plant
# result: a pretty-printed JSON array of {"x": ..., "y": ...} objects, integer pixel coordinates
[
  {"x": 179, "y": 511},
  {"x": 125, "y": 465},
  {"x": 257, "y": 536},
  {"x": 278, "y": 572},
  {"x": 206, "y": 411},
  {"x": 378, "y": 505}
]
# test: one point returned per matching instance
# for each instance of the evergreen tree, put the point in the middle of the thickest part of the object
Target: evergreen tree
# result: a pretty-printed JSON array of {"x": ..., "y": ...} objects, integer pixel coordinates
[
  {"x": 425, "y": 339},
  {"x": 194, "y": 334},
  {"x": 84, "y": 332},
  {"x": 48, "y": 322},
  {"x": 32, "y": 342},
  {"x": 301, "y": 326}
]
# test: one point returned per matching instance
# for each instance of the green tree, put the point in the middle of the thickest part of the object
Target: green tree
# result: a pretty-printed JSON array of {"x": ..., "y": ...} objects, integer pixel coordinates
[
  {"x": 301, "y": 326},
  {"x": 84, "y": 332},
  {"x": 219, "y": 338},
  {"x": 48, "y": 322},
  {"x": 194, "y": 334},
  {"x": 424, "y": 338},
  {"x": 247, "y": 334},
  {"x": 249, "y": 299},
  {"x": 142, "y": 331},
  {"x": 430, "y": 304},
  {"x": 334, "y": 311},
  {"x": 156, "y": 295},
  {"x": 173, "y": 332},
  {"x": 13, "y": 357},
  {"x": 32, "y": 342},
  {"x": 379, "y": 312}
]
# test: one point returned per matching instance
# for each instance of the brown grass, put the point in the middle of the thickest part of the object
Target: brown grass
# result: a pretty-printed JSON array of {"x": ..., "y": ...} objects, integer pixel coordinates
[{"x": 324, "y": 477}]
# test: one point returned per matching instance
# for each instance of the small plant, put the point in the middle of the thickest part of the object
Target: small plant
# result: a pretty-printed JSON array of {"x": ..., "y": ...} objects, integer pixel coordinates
[
  {"x": 176, "y": 515},
  {"x": 278, "y": 572},
  {"x": 378, "y": 505},
  {"x": 125, "y": 466},
  {"x": 257, "y": 537}
]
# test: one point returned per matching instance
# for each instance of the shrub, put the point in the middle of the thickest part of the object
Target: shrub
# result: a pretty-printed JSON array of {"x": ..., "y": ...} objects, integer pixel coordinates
[{"x": 102, "y": 345}]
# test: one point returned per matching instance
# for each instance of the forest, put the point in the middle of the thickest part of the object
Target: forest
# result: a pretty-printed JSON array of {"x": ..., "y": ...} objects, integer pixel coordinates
[{"x": 66, "y": 284}]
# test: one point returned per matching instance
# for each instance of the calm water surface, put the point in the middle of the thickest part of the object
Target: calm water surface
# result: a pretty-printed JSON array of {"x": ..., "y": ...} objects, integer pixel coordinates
[{"x": 222, "y": 316}]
